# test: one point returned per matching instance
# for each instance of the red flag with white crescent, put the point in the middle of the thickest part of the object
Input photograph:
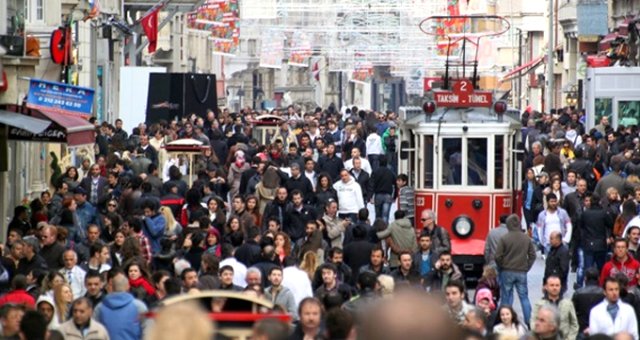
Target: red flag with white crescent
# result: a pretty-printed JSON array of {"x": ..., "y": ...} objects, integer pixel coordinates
[{"x": 150, "y": 27}]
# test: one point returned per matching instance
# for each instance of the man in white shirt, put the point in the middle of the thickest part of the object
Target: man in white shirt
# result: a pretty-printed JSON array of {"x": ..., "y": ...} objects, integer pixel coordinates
[
  {"x": 239, "y": 269},
  {"x": 613, "y": 316},
  {"x": 298, "y": 282},
  {"x": 374, "y": 149},
  {"x": 366, "y": 166},
  {"x": 73, "y": 274},
  {"x": 553, "y": 219}
]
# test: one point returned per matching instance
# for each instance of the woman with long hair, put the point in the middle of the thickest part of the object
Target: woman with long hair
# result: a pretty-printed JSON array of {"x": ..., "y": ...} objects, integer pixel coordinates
[
  {"x": 131, "y": 250},
  {"x": 627, "y": 214},
  {"x": 62, "y": 298},
  {"x": 253, "y": 209},
  {"x": 233, "y": 226},
  {"x": 216, "y": 212},
  {"x": 51, "y": 281},
  {"x": 172, "y": 228},
  {"x": 325, "y": 190},
  {"x": 111, "y": 223},
  {"x": 556, "y": 189},
  {"x": 116, "y": 248},
  {"x": 528, "y": 197},
  {"x": 282, "y": 244},
  {"x": 507, "y": 323},
  {"x": 310, "y": 264},
  {"x": 71, "y": 177},
  {"x": 139, "y": 280}
]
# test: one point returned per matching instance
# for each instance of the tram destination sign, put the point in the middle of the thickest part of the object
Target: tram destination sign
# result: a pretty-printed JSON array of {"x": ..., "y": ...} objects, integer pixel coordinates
[{"x": 463, "y": 95}]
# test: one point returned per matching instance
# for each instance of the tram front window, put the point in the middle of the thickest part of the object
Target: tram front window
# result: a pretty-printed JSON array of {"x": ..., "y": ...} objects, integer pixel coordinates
[
  {"x": 452, "y": 161},
  {"x": 476, "y": 161}
]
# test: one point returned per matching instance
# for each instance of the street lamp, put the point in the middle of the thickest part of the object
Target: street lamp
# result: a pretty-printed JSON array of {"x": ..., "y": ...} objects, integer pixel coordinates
[{"x": 572, "y": 99}]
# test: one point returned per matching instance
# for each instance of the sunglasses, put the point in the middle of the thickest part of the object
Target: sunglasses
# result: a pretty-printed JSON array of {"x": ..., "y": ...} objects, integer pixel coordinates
[{"x": 112, "y": 205}]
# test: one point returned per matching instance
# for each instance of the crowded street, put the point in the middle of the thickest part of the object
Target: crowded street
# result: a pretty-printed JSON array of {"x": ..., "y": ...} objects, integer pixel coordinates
[{"x": 301, "y": 170}]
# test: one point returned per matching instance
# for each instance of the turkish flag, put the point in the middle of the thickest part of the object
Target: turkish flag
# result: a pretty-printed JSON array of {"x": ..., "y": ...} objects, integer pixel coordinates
[{"x": 150, "y": 27}]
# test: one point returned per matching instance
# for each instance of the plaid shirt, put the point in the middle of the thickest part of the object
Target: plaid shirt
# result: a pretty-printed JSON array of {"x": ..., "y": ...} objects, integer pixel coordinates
[{"x": 145, "y": 246}]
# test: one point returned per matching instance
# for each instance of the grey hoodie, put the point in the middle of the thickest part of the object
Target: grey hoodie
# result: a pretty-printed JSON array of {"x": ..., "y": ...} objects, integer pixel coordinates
[{"x": 403, "y": 236}]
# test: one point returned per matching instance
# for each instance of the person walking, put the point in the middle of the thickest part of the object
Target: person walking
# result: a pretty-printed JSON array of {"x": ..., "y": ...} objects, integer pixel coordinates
[
  {"x": 514, "y": 263},
  {"x": 612, "y": 316}
]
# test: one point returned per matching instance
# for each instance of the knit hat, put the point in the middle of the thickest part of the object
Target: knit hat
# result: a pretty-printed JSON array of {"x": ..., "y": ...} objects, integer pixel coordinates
[{"x": 513, "y": 222}]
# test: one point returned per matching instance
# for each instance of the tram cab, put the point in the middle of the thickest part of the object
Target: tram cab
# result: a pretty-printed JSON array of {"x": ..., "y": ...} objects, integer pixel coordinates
[
  {"x": 265, "y": 127},
  {"x": 461, "y": 161}
]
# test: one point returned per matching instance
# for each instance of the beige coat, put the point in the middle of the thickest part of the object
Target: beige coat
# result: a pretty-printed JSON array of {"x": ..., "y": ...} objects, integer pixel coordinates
[{"x": 96, "y": 331}]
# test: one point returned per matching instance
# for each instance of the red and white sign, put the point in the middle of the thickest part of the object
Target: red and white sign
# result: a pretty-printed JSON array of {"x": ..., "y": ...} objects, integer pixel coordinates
[
  {"x": 463, "y": 95},
  {"x": 428, "y": 82}
]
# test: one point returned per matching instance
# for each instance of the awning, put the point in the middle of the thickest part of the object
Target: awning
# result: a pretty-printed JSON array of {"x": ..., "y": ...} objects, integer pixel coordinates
[
  {"x": 79, "y": 130},
  {"x": 525, "y": 68},
  {"x": 33, "y": 125},
  {"x": 73, "y": 130}
]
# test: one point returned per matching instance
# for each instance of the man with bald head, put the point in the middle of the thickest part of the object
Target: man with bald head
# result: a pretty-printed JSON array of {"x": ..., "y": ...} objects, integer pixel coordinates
[
  {"x": 120, "y": 312},
  {"x": 557, "y": 262},
  {"x": 50, "y": 249},
  {"x": 73, "y": 273}
]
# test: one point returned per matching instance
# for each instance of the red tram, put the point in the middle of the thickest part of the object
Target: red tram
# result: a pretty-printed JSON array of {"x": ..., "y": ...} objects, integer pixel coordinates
[{"x": 460, "y": 154}]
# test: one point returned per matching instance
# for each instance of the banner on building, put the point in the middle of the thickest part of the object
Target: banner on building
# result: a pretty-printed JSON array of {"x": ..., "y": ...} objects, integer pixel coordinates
[
  {"x": 60, "y": 97},
  {"x": 592, "y": 17},
  {"x": 415, "y": 83},
  {"x": 272, "y": 49},
  {"x": 300, "y": 49},
  {"x": 219, "y": 19},
  {"x": 363, "y": 70}
]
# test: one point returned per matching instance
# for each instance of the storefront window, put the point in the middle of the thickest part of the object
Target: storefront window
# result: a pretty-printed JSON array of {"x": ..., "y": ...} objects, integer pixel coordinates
[
  {"x": 628, "y": 112},
  {"x": 452, "y": 161},
  {"x": 476, "y": 161},
  {"x": 604, "y": 107}
]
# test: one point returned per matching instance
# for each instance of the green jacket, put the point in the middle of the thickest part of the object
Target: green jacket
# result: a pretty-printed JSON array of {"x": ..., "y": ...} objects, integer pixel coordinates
[{"x": 568, "y": 320}]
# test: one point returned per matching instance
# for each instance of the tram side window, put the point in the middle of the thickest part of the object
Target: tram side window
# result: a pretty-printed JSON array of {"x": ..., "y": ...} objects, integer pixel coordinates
[
  {"x": 499, "y": 162},
  {"x": 428, "y": 161},
  {"x": 476, "y": 161},
  {"x": 452, "y": 161}
]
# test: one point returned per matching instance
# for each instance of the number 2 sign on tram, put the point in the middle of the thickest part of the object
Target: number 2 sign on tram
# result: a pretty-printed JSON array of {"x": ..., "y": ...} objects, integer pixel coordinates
[{"x": 463, "y": 95}]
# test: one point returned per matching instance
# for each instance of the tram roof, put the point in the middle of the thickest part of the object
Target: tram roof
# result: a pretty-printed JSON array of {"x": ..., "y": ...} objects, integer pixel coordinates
[{"x": 462, "y": 115}]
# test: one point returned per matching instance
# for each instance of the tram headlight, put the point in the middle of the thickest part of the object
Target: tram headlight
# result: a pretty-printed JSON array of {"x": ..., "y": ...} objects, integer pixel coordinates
[{"x": 462, "y": 226}]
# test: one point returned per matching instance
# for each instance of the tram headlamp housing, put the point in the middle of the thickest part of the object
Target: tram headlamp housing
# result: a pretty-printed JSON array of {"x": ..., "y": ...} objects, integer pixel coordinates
[
  {"x": 462, "y": 226},
  {"x": 429, "y": 107}
]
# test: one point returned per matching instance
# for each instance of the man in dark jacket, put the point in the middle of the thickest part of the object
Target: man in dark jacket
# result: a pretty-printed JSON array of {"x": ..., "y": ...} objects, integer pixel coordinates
[
  {"x": 249, "y": 252},
  {"x": 298, "y": 215},
  {"x": 299, "y": 182},
  {"x": 30, "y": 258},
  {"x": 515, "y": 256},
  {"x": 557, "y": 262},
  {"x": 330, "y": 163},
  {"x": 440, "y": 240},
  {"x": 356, "y": 253},
  {"x": 381, "y": 185},
  {"x": 595, "y": 228},
  {"x": 587, "y": 297},
  {"x": 277, "y": 209}
]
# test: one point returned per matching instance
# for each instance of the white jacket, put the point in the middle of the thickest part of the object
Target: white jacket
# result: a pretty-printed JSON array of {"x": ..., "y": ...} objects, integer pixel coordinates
[
  {"x": 600, "y": 321},
  {"x": 350, "y": 199}
]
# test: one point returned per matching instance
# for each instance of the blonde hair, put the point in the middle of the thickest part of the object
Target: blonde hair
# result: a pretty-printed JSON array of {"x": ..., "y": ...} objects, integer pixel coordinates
[
  {"x": 309, "y": 263},
  {"x": 171, "y": 224},
  {"x": 62, "y": 307},
  {"x": 181, "y": 321}
]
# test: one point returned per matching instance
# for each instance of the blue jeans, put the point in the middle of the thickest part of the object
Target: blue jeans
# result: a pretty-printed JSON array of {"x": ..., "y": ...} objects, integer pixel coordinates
[
  {"x": 581, "y": 268},
  {"x": 382, "y": 203},
  {"x": 594, "y": 258},
  {"x": 518, "y": 280},
  {"x": 374, "y": 160}
]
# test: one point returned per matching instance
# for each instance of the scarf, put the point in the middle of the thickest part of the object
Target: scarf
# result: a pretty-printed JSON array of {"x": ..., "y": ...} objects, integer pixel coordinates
[{"x": 141, "y": 282}]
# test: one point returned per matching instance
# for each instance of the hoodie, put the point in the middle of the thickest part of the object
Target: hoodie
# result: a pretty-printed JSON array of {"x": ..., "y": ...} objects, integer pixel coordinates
[
  {"x": 629, "y": 268},
  {"x": 510, "y": 252},
  {"x": 404, "y": 239},
  {"x": 120, "y": 313},
  {"x": 350, "y": 199},
  {"x": 54, "y": 323}
]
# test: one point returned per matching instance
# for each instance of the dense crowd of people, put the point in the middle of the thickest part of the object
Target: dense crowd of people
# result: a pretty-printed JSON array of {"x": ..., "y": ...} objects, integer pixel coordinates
[{"x": 287, "y": 221}]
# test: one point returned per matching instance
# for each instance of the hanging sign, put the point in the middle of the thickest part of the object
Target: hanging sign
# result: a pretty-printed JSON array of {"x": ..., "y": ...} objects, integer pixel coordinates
[
  {"x": 463, "y": 95},
  {"x": 60, "y": 97}
]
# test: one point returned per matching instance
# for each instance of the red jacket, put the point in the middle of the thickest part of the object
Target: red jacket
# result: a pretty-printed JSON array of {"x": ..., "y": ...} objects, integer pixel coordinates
[
  {"x": 18, "y": 297},
  {"x": 629, "y": 268}
]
